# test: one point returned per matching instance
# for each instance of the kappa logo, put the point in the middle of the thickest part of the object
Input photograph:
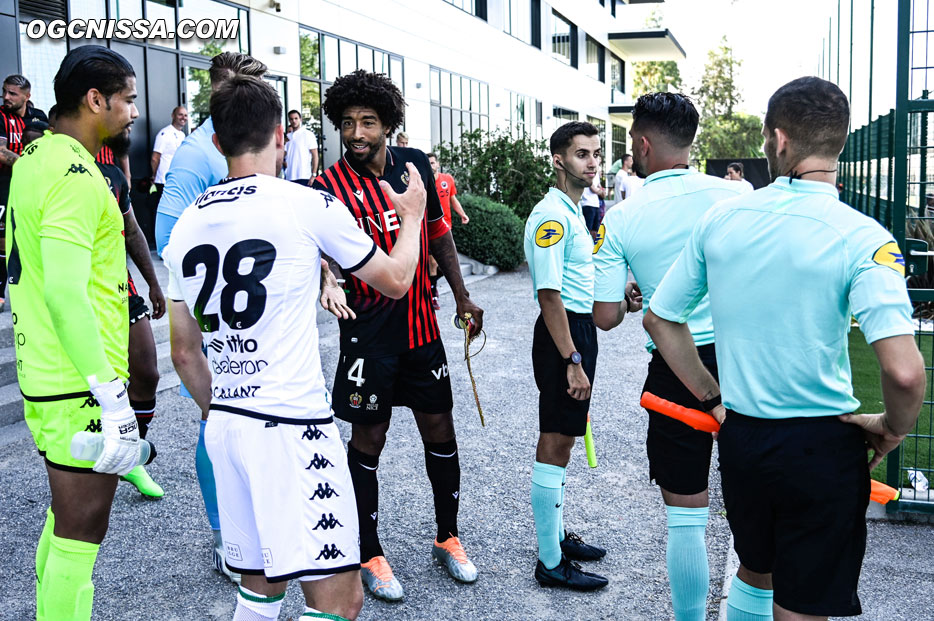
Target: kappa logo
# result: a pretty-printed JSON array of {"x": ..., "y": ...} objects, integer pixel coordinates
[
  {"x": 891, "y": 256},
  {"x": 355, "y": 400},
  {"x": 90, "y": 402},
  {"x": 328, "y": 198},
  {"x": 327, "y": 522},
  {"x": 330, "y": 553},
  {"x": 313, "y": 433},
  {"x": 94, "y": 426},
  {"x": 324, "y": 492},
  {"x": 319, "y": 462},
  {"x": 442, "y": 372},
  {"x": 548, "y": 234},
  {"x": 598, "y": 240},
  {"x": 78, "y": 169}
]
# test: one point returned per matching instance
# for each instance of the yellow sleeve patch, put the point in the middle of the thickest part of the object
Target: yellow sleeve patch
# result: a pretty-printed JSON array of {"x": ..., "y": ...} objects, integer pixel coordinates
[
  {"x": 598, "y": 242},
  {"x": 890, "y": 256},
  {"x": 549, "y": 233}
]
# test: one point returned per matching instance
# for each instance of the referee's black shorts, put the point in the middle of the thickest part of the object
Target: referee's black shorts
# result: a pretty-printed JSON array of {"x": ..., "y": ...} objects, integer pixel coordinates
[
  {"x": 558, "y": 412},
  {"x": 679, "y": 456},
  {"x": 796, "y": 492}
]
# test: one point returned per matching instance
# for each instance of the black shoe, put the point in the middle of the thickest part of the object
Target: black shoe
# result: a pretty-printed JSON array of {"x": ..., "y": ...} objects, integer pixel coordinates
[
  {"x": 575, "y": 549},
  {"x": 569, "y": 575}
]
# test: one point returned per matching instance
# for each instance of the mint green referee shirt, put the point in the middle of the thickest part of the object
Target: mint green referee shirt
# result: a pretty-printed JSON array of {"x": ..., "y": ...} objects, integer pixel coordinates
[
  {"x": 559, "y": 250},
  {"x": 785, "y": 268},
  {"x": 647, "y": 232}
]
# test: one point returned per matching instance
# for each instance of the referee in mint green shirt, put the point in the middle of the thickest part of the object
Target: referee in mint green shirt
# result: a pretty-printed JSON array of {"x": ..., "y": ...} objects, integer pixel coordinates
[
  {"x": 785, "y": 267},
  {"x": 559, "y": 249},
  {"x": 646, "y": 233}
]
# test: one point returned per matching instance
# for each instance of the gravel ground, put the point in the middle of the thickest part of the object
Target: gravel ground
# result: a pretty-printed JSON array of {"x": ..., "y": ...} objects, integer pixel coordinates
[{"x": 159, "y": 551}]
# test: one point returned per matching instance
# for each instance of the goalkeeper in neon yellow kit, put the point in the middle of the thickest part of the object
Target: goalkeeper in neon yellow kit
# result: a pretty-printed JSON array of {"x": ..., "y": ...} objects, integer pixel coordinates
[{"x": 68, "y": 293}]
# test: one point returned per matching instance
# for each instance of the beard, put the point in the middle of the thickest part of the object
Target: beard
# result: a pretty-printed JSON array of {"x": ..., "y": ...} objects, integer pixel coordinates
[
  {"x": 120, "y": 144},
  {"x": 771, "y": 156},
  {"x": 639, "y": 169},
  {"x": 363, "y": 158}
]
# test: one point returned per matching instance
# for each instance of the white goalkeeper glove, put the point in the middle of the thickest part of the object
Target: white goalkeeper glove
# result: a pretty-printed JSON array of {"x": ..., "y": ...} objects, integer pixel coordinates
[{"x": 118, "y": 423}]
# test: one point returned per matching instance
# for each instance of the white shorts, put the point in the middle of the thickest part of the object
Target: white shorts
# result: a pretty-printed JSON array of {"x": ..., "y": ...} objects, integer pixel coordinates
[{"x": 285, "y": 497}]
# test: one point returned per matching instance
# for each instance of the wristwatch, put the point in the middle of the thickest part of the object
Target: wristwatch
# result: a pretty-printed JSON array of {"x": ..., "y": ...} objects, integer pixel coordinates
[{"x": 574, "y": 359}]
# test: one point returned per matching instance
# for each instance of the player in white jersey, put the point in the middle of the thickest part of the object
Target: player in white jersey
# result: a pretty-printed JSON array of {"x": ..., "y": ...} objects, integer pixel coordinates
[{"x": 244, "y": 265}]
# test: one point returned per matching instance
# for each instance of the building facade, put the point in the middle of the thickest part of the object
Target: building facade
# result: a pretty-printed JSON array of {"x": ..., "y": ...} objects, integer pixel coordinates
[{"x": 523, "y": 66}]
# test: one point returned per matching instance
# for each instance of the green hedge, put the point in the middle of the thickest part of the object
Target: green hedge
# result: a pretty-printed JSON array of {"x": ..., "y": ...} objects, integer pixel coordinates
[{"x": 494, "y": 234}]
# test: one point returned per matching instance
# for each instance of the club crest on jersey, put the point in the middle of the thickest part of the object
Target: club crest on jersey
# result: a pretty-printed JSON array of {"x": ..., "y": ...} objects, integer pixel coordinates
[
  {"x": 598, "y": 241},
  {"x": 355, "y": 400},
  {"x": 889, "y": 255},
  {"x": 548, "y": 234},
  {"x": 405, "y": 177},
  {"x": 444, "y": 185},
  {"x": 372, "y": 405}
]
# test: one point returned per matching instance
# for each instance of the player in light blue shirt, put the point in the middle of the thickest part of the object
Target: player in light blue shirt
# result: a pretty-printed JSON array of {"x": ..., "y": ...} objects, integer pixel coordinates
[
  {"x": 785, "y": 267},
  {"x": 646, "y": 233},
  {"x": 197, "y": 165},
  {"x": 559, "y": 249}
]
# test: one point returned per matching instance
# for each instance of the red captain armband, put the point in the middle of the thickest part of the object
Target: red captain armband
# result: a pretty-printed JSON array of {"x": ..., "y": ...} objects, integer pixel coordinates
[{"x": 437, "y": 228}]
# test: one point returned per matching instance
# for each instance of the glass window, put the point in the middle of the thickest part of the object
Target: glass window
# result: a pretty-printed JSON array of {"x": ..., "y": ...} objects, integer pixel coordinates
[
  {"x": 446, "y": 125},
  {"x": 126, "y": 9},
  {"x": 616, "y": 78},
  {"x": 381, "y": 62},
  {"x": 348, "y": 57},
  {"x": 279, "y": 83},
  {"x": 484, "y": 98},
  {"x": 309, "y": 44},
  {"x": 201, "y": 10},
  {"x": 455, "y": 91},
  {"x": 87, "y": 9},
  {"x": 164, "y": 10},
  {"x": 517, "y": 19},
  {"x": 364, "y": 58},
  {"x": 560, "y": 38},
  {"x": 594, "y": 54},
  {"x": 619, "y": 141},
  {"x": 435, "y": 79},
  {"x": 41, "y": 59},
  {"x": 600, "y": 124},
  {"x": 311, "y": 106},
  {"x": 465, "y": 5},
  {"x": 395, "y": 71},
  {"x": 455, "y": 105},
  {"x": 445, "y": 88},
  {"x": 330, "y": 59},
  {"x": 474, "y": 96}
]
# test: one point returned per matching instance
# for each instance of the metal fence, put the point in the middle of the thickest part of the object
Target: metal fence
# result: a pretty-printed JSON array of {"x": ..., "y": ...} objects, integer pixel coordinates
[{"x": 887, "y": 172}]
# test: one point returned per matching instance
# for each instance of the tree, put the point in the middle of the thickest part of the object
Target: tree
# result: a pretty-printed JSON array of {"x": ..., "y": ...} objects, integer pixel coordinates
[
  {"x": 724, "y": 132},
  {"x": 655, "y": 75},
  {"x": 495, "y": 165},
  {"x": 199, "y": 105}
]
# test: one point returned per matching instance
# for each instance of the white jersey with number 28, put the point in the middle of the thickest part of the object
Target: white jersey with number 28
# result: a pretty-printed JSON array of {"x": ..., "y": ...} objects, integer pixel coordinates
[{"x": 245, "y": 258}]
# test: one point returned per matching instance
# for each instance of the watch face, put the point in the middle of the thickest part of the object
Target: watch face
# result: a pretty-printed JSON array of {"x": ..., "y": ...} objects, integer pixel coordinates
[{"x": 575, "y": 357}]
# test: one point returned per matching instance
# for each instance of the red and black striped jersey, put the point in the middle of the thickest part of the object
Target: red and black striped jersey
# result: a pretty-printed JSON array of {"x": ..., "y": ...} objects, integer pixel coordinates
[
  {"x": 106, "y": 156},
  {"x": 13, "y": 127},
  {"x": 383, "y": 325}
]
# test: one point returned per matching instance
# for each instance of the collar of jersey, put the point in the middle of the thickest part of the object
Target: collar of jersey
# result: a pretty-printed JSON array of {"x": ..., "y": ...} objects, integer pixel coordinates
[
  {"x": 564, "y": 198},
  {"x": 389, "y": 164},
  {"x": 66, "y": 138},
  {"x": 671, "y": 172},
  {"x": 804, "y": 186},
  {"x": 232, "y": 179}
]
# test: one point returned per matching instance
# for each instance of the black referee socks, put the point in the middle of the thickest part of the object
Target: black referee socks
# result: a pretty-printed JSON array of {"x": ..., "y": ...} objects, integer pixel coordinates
[
  {"x": 444, "y": 471},
  {"x": 144, "y": 411},
  {"x": 366, "y": 489}
]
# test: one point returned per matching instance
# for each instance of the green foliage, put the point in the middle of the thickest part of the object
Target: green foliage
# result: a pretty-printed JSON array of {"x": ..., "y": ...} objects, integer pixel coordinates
[
  {"x": 515, "y": 172},
  {"x": 654, "y": 76},
  {"x": 308, "y": 44},
  {"x": 200, "y": 105},
  {"x": 723, "y": 132},
  {"x": 494, "y": 234}
]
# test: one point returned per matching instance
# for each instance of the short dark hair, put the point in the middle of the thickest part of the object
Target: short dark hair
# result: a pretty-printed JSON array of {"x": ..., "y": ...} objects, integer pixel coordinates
[
  {"x": 563, "y": 136},
  {"x": 291, "y": 112},
  {"x": 432, "y": 155},
  {"x": 814, "y": 113},
  {"x": 246, "y": 111},
  {"x": 672, "y": 115},
  {"x": 625, "y": 155},
  {"x": 367, "y": 90},
  {"x": 738, "y": 167},
  {"x": 53, "y": 114},
  {"x": 229, "y": 64},
  {"x": 17, "y": 80},
  {"x": 87, "y": 67}
]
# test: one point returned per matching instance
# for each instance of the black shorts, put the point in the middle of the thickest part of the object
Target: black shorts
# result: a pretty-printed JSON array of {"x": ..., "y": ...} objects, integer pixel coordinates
[
  {"x": 679, "y": 456},
  {"x": 796, "y": 492},
  {"x": 136, "y": 303},
  {"x": 559, "y": 412},
  {"x": 366, "y": 389},
  {"x": 591, "y": 217}
]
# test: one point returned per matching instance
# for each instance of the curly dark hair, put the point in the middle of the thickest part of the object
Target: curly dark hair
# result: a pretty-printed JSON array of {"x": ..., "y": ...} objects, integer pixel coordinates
[{"x": 369, "y": 90}]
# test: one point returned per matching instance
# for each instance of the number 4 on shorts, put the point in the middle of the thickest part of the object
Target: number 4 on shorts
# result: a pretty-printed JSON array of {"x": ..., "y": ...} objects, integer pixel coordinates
[{"x": 355, "y": 373}]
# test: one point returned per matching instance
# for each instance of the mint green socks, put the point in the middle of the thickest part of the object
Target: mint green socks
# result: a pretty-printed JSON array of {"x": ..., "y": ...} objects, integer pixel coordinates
[
  {"x": 547, "y": 507},
  {"x": 747, "y": 603},
  {"x": 688, "y": 572}
]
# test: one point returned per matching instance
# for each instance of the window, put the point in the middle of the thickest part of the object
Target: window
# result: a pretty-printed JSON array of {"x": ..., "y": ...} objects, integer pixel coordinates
[
  {"x": 617, "y": 76},
  {"x": 594, "y": 65},
  {"x": 199, "y": 10},
  {"x": 465, "y": 5},
  {"x": 458, "y": 105},
  {"x": 600, "y": 124},
  {"x": 563, "y": 40},
  {"x": 619, "y": 142},
  {"x": 560, "y": 116},
  {"x": 41, "y": 59},
  {"x": 517, "y": 19}
]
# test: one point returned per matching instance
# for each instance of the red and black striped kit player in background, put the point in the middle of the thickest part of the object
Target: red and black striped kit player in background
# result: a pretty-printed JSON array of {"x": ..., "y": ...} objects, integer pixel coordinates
[
  {"x": 391, "y": 350},
  {"x": 16, "y": 90}
]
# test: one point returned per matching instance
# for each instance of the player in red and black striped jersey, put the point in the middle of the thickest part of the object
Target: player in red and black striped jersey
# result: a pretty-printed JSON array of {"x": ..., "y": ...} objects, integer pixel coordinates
[
  {"x": 13, "y": 118},
  {"x": 391, "y": 350},
  {"x": 143, "y": 361}
]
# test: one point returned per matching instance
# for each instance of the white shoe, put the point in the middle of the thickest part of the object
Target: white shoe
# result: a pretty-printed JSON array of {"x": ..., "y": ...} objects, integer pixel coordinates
[{"x": 221, "y": 566}]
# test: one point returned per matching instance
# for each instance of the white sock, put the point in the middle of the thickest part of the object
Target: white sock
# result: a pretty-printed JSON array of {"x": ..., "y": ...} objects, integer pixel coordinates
[{"x": 255, "y": 607}]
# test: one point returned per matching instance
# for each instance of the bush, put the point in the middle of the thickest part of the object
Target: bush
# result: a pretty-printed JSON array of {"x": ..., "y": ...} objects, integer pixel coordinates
[{"x": 494, "y": 235}]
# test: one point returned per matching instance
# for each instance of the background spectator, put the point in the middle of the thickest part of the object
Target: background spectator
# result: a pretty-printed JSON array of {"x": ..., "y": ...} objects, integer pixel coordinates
[
  {"x": 301, "y": 151},
  {"x": 735, "y": 172}
]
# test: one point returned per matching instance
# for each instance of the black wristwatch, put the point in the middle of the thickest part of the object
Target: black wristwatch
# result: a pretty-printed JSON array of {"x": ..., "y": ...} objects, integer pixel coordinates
[
  {"x": 574, "y": 359},
  {"x": 711, "y": 403}
]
